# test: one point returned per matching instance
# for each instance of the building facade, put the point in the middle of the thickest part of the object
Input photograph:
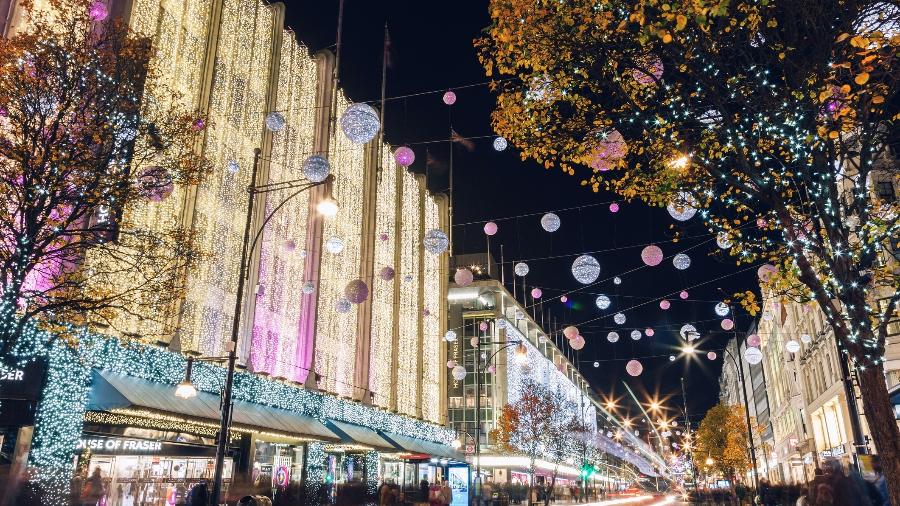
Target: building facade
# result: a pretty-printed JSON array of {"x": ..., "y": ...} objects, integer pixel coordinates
[{"x": 322, "y": 382}]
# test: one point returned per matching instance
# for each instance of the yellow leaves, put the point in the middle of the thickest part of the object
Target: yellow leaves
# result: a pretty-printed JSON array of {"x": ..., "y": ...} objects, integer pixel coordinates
[
  {"x": 665, "y": 36},
  {"x": 772, "y": 23},
  {"x": 878, "y": 99},
  {"x": 861, "y": 78},
  {"x": 842, "y": 37},
  {"x": 680, "y": 22},
  {"x": 859, "y": 42},
  {"x": 781, "y": 55},
  {"x": 833, "y": 135},
  {"x": 845, "y": 89}
]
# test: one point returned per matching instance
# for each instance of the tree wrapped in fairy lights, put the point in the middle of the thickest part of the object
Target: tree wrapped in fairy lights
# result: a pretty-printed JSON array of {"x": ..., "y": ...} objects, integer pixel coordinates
[
  {"x": 84, "y": 140},
  {"x": 776, "y": 120}
]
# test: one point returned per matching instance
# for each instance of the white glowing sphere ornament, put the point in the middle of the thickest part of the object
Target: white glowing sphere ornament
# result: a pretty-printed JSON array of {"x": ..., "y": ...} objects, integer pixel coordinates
[
  {"x": 450, "y": 336},
  {"x": 275, "y": 121},
  {"x": 360, "y": 123},
  {"x": 619, "y": 318},
  {"x": 550, "y": 222},
  {"x": 792, "y": 346},
  {"x": 521, "y": 269},
  {"x": 500, "y": 144},
  {"x": 436, "y": 241},
  {"x": 586, "y": 269},
  {"x": 343, "y": 305},
  {"x": 612, "y": 337},
  {"x": 721, "y": 309},
  {"x": 459, "y": 373},
  {"x": 681, "y": 261},
  {"x": 603, "y": 301},
  {"x": 334, "y": 245},
  {"x": 636, "y": 335},
  {"x": 682, "y": 208},
  {"x": 316, "y": 168},
  {"x": 753, "y": 356}
]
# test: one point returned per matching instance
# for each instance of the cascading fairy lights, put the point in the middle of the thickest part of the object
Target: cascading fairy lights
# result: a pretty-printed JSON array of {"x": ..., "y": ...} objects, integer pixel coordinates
[
  {"x": 411, "y": 312},
  {"x": 236, "y": 129},
  {"x": 336, "y": 332},
  {"x": 373, "y": 471},
  {"x": 276, "y": 323},
  {"x": 431, "y": 323},
  {"x": 382, "y": 329}
]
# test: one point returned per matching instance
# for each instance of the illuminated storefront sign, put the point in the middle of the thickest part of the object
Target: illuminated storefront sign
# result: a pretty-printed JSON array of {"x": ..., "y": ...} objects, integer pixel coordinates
[
  {"x": 13, "y": 375},
  {"x": 117, "y": 445}
]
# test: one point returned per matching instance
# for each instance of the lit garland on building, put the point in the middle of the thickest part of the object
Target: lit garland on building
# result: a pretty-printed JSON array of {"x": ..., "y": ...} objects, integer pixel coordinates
[
  {"x": 431, "y": 322},
  {"x": 315, "y": 467},
  {"x": 276, "y": 323},
  {"x": 373, "y": 466},
  {"x": 383, "y": 291},
  {"x": 410, "y": 307}
]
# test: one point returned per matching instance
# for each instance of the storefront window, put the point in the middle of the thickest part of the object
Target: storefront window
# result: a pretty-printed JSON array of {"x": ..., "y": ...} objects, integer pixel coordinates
[{"x": 277, "y": 464}]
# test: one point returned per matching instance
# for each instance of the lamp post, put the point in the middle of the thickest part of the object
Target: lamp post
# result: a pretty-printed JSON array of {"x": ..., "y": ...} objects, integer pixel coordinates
[
  {"x": 185, "y": 389},
  {"x": 521, "y": 356}
]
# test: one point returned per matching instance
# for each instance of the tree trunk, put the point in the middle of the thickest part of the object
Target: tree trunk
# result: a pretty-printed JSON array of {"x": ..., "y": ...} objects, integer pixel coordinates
[
  {"x": 552, "y": 486},
  {"x": 883, "y": 425}
]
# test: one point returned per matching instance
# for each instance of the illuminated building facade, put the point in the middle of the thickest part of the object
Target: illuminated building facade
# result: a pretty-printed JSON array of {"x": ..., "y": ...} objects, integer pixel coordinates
[{"x": 361, "y": 374}]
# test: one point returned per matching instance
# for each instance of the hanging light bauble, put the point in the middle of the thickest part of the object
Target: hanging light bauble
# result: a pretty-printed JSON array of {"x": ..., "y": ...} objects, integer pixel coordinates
[
  {"x": 473, "y": 341},
  {"x": 727, "y": 324},
  {"x": 387, "y": 273},
  {"x": 650, "y": 71},
  {"x": 596, "y": 364},
  {"x": 684, "y": 295},
  {"x": 577, "y": 343},
  {"x": 360, "y": 123},
  {"x": 766, "y": 271},
  {"x": 634, "y": 368},
  {"x": 652, "y": 255},
  {"x": 682, "y": 208},
  {"x": 711, "y": 355},
  {"x": 450, "y": 336},
  {"x": 649, "y": 331},
  {"x": 536, "y": 293},
  {"x": 563, "y": 299},
  {"x": 490, "y": 228},
  {"x": 436, "y": 241},
  {"x": 316, "y": 168},
  {"x": 289, "y": 246},
  {"x": 482, "y": 326},
  {"x": 343, "y": 305},
  {"x": 768, "y": 315},
  {"x": 275, "y": 121},
  {"x": 334, "y": 245},
  {"x": 404, "y": 156},
  {"x": 570, "y": 332},
  {"x": 753, "y": 356},
  {"x": 636, "y": 335},
  {"x": 619, "y": 318},
  {"x": 500, "y": 323},
  {"x": 721, "y": 309},
  {"x": 664, "y": 304},
  {"x": 356, "y": 291},
  {"x": 754, "y": 340},
  {"x": 723, "y": 240},
  {"x": 232, "y": 166},
  {"x": 603, "y": 301},
  {"x": 500, "y": 143},
  {"x": 671, "y": 358},
  {"x": 408, "y": 278},
  {"x": 606, "y": 149},
  {"x": 614, "y": 207},
  {"x": 449, "y": 97},
  {"x": 463, "y": 277},
  {"x": 806, "y": 338},
  {"x": 688, "y": 332},
  {"x": 98, "y": 11},
  {"x": 521, "y": 269},
  {"x": 458, "y": 372},
  {"x": 451, "y": 364},
  {"x": 617, "y": 280},
  {"x": 550, "y": 222},
  {"x": 586, "y": 269},
  {"x": 492, "y": 369},
  {"x": 681, "y": 261},
  {"x": 383, "y": 236},
  {"x": 792, "y": 346},
  {"x": 155, "y": 183},
  {"x": 308, "y": 288}
]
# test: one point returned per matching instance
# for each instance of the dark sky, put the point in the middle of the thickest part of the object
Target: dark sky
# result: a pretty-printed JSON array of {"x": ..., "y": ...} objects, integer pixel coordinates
[{"x": 433, "y": 51}]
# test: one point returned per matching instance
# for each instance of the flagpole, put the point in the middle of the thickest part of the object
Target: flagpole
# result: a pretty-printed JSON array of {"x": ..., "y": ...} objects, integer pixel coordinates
[{"x": 384, "y": 65}]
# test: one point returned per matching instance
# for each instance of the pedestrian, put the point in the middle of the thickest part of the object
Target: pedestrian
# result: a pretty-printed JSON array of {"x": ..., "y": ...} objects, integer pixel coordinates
[
  {"x": 446, "y": 494},
  {"x": 384, "y": 494},
  {"x": 845, "y": 490},
  {"x": 741, "y": 492},
  {"x": 424, "y": 489},
  {"x": 92, "y": 491},
  {"x": 198, "y": 495},
  {"x": 880, "y": 484}
]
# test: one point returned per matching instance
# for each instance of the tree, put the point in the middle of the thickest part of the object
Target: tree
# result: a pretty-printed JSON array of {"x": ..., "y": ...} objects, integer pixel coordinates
[
  {"x": 86, "y": 136},
  {"x": 539, "y": 424},
  {"x": 775, "y": 118},
  {"x": 722, "y": 436}
]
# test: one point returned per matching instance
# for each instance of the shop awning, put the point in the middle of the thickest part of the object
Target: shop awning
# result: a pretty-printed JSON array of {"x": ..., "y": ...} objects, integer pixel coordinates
[
  {"x": 413, "y": 445},
  {"x": 357, "y": 434},
  {"x": 111, "y": 391}
]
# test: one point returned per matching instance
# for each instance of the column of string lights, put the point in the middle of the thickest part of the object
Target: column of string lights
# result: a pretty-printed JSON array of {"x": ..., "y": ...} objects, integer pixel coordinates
[
  {"x": 335, "y": 331},
  {"x": 408, "y": 376},
  {"x": 276, "y": 324},
  {"x": 431, "y": 324},
  {"x": 179, "y": 41},
  {"x": 236, "y": 126},
  {"x": 383, "y": 289}
]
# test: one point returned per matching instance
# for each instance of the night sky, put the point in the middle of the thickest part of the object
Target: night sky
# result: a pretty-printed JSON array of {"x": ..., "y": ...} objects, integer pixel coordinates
[{"x": 432, "y": 51}]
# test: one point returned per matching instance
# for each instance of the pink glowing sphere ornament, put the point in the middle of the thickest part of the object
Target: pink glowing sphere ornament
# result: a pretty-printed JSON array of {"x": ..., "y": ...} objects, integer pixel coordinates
[
  {"x": 451, "y": 364},
  {"x": 753, "y": 340},
  {"x": 652, "y": 255},
  {"x": 387, "y": 273},
  {"x": 577, "y": 343},
  {"x": 614, "y": 208},
  {"x": 98, "y": 11},
  {"x": 650, "y": 70},
  {"x": 198, "y": 124},
  {"x": 649, "y": 332},
  {"x": 711, "y": 355},
  {"x": 426, "y": 312},
  {"x": 463, "y": 277},
  {"x": 564, "y": 299},
  {"x": 404, "y": 156},
  {"x": 492, "y": 369},
  {"x": 482, "y": 326},
  {"x": 536, "y": 293},
  {"x": 473, "y": 341},
  {"x": 490, "y": 228},
  {"x": 684, "y": 295},
  {"x": 608, "y": 148},
  {"x": 727, "y": 324},
  {"x": 664, "y": 304},
  {"x": 383, "y": 236},
  {"x": 356, "y": 291},
  {"x": 766, "y": 271},
  {"x": 449, "y": 98},
  {"x": 634, "y": 368},
  {"x": 155, "y": 183},
  {"x": 290, "y": 245},
  {"x": 570, "y": 332}
]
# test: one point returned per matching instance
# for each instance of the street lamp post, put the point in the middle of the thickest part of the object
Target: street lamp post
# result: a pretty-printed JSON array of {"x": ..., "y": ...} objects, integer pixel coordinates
[
  {"x": 521, "y": 354},
  {"x": 185, "y": 389}
]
